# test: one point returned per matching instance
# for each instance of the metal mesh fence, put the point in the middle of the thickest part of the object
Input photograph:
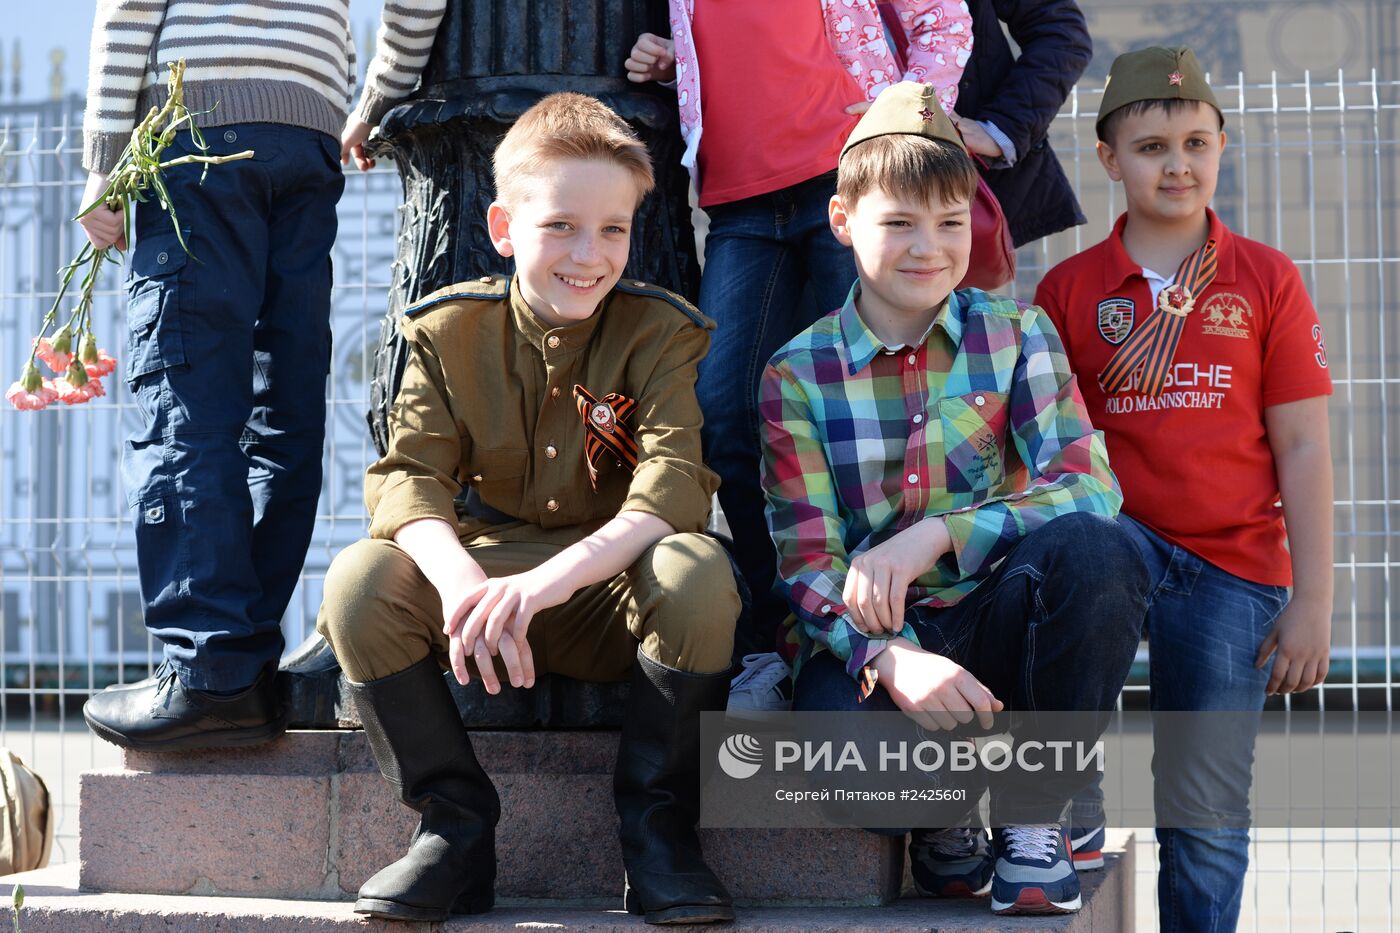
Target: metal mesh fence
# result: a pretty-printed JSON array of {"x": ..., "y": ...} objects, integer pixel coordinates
[{"x": 1310, "y": 169}]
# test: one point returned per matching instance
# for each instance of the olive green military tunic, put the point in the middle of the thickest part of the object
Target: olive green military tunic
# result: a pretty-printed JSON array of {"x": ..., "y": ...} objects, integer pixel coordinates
[{"x": 487, "y": 402}]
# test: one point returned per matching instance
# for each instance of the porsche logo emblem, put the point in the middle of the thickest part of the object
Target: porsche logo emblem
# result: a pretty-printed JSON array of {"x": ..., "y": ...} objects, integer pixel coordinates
[{"x": 1115, "y": 319}]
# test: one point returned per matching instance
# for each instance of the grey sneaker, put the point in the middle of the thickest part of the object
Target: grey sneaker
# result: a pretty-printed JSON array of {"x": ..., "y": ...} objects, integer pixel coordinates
[{"x": 761, "y": 687}]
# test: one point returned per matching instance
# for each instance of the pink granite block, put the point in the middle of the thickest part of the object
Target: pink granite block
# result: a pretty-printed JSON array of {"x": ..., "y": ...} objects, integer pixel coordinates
[
  {"x": 546, "y": 752},
  {"x": 512, "y": 752},
  {"x": 557, "y": 837},
  {"x": 54, "y": 904},
  {"x": 805, "y": 866},
  {"x": 173, "y": 833},
  {"x": 313, "y": 752},
  {"x": 372, "y": 828}
]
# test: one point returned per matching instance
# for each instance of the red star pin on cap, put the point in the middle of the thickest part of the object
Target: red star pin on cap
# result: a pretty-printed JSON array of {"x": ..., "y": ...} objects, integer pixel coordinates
[
  {"x": 926, "y": 115},
  {"x": 1175, "y": 78}
]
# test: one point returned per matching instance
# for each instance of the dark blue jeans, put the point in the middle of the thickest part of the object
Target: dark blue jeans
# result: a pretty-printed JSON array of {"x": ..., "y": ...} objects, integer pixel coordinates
[
  {"x": 227, "y": 357},
  {"x": 1053, "y": 628},
  {"x": 1204, "y": 629},
  {"x": 772, "y": 267}
]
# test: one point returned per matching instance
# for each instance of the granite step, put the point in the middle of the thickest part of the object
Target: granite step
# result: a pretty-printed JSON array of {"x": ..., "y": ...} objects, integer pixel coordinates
[
  {"x": 309, "y": 816},
  {"x": 54, "y": 903}
]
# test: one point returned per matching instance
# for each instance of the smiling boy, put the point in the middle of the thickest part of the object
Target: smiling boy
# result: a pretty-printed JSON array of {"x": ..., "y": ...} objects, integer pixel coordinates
[
  {"x": 563, "y": 400},
  {"x": 940, "y": 502},
  {"x": 1202, "y": 360}
]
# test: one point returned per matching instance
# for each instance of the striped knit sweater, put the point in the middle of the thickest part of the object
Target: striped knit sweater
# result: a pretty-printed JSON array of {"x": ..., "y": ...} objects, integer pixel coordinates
[{"x": 252, "y": 61}]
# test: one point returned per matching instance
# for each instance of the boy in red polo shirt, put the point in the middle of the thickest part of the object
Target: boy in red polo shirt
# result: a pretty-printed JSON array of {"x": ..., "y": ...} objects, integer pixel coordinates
[{"x": 1200, "y": 357}]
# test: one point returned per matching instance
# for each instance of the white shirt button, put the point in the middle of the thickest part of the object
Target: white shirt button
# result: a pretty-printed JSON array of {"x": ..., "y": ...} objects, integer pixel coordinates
[
  {"x": 826, "y": 608},
  {"x": 918, "y": 419},
  {"x": 913, "y": 477},
  {"x": 912, "y": 359},
  {"x": 980, "y": 400}
]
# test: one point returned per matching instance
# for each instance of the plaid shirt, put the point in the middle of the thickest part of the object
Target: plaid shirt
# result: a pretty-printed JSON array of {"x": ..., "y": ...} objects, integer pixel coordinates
[{"x": 982, "y": 423}]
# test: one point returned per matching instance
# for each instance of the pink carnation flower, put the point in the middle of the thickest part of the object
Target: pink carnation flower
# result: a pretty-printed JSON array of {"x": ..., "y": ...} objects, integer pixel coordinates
[
  {"x": 24, "y": 400},
  {"x": 70, "y": 394},
  {"x": 58, "y": 362},
  {"x": 104, "y": 364}
]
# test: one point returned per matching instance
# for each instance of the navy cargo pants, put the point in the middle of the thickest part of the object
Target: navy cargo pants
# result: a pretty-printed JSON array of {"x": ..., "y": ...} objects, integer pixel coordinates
[{"x": 227, "y": 356}]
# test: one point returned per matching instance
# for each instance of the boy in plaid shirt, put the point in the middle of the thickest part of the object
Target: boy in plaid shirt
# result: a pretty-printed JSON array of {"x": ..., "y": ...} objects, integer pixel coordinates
[{"x": 939, "y": 501}]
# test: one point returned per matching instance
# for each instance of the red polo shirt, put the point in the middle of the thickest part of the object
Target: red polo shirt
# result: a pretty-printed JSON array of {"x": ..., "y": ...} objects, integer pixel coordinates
[{"x": 1195, "y": 463}]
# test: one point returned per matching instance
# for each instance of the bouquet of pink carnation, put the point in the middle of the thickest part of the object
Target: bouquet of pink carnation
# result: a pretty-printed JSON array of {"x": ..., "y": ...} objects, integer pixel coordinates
[{"x": 71, "y": 353}]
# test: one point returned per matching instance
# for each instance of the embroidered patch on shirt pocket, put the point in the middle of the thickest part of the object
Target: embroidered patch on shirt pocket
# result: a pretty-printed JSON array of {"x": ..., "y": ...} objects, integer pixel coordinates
[{"x": 974, "y": 440}]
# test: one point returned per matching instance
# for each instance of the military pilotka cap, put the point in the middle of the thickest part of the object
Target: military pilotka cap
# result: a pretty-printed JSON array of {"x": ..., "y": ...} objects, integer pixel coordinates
[
  {"x": 906, "y": 108},
  {"x": 1155, "y": 73}
]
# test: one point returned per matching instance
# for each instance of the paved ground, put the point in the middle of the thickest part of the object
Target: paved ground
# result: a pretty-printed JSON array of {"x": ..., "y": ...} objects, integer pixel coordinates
[{"x": 1305, "y": 880}]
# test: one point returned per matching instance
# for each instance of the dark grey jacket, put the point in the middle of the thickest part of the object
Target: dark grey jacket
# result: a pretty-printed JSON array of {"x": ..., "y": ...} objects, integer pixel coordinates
[{"x": 1021, "y": 96}]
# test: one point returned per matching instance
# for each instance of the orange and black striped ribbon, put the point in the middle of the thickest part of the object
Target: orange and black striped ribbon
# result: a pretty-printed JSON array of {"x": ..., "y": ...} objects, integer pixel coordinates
[
  {"x": 605, "y": 432},
  {"x": 1153, "y": 345}
]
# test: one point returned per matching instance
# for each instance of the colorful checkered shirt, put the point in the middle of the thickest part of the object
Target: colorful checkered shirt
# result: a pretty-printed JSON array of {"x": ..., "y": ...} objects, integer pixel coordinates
[{"x": 982, "y": 423}]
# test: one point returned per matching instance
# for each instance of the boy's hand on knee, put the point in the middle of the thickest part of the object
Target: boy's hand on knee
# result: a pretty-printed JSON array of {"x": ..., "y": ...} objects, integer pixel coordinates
[
  {"x": 1302, "y": 637},
  {"x": 934, "y": 691},
  {"x": 500, "y": 619},
  {"x": 879, "y": 579},
  {"x": 652, "y": 59}
]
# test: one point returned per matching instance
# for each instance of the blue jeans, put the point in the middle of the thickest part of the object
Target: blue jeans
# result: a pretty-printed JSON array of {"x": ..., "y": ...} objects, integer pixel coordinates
[
  {"x": 772, "y": 267},
  {"x": 1204, "y": 629},
  {"x": 227, "y": 359},
  {"x": 1053, "y": 628}
]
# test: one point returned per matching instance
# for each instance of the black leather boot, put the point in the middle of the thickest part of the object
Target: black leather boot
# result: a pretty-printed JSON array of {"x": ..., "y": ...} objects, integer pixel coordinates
[
  {"x": 423, "y": 750},
  {"x": 657, "y": 785}
]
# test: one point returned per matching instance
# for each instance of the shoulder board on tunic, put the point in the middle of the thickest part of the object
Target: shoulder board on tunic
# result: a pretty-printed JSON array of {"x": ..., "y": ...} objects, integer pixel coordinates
[
  {"x": 485, "y": 288},
  {"x": 637, "y": 287}
]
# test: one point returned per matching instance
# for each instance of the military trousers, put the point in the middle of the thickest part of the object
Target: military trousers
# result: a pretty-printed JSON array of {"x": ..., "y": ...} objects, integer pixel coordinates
[{"x": 678, "y": 600}]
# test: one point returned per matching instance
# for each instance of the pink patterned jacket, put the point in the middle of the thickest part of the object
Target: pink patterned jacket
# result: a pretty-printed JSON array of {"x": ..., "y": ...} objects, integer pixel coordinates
[{"x": 940, "y": 42}]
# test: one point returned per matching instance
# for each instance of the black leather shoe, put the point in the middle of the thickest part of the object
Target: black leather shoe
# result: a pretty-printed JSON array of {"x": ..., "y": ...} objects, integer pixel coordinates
[{"x": 161, "y": 714}]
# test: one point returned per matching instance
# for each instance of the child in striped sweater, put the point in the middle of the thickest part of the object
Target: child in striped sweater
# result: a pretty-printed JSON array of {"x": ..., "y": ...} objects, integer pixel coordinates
[{"x": 227, "y": 357}]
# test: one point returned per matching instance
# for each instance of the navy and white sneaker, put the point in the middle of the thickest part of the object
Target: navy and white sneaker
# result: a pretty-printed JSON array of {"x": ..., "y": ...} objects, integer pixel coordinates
[
  {"x": 954, "y": 862},
  {"x": 1086, "y": 847},
  {"x": 1033, "y": 873}
]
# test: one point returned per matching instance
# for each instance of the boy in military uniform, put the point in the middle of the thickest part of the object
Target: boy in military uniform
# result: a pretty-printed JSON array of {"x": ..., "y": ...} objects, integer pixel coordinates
[{"x": 563, "y": 399}]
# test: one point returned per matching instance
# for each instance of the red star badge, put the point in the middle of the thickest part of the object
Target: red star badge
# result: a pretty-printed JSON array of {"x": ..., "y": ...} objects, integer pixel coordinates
[
  {"x": 926, "y": 114},
  {"x": 1175, "y": 78}
]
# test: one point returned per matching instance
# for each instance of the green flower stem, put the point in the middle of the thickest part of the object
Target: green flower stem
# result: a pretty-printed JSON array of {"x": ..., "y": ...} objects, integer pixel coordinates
[{"x": 137, "y": 175}]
